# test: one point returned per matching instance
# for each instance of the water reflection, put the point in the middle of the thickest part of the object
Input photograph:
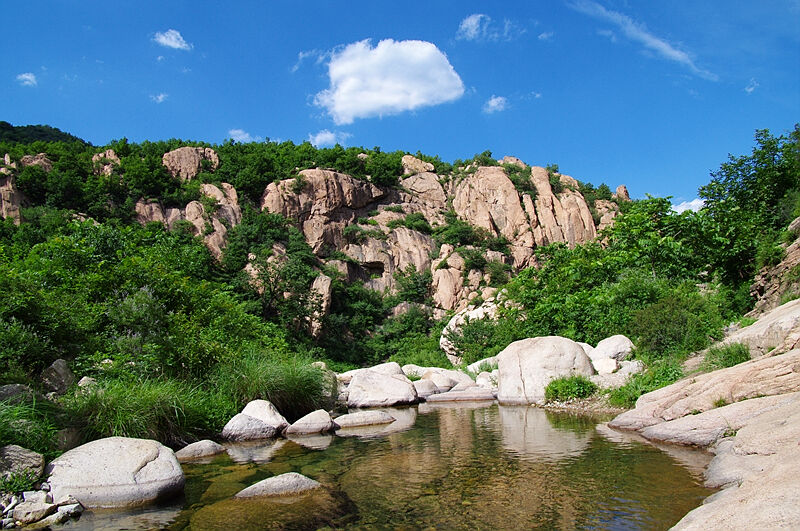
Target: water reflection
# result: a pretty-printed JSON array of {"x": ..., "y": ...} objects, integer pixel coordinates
[{"x": 449, "y": 466}]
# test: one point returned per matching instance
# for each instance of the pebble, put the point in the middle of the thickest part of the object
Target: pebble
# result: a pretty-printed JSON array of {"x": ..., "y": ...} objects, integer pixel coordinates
[{"x": 7, "y": 523}]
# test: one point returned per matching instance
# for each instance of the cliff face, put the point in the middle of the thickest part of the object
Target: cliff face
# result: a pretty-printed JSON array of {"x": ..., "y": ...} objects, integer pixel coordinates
[{"x": 331, "y": 208}]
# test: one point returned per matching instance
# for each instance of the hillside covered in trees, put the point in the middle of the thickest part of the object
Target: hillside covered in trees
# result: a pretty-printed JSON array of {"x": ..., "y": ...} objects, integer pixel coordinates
[{"x": 211, "y": 275}]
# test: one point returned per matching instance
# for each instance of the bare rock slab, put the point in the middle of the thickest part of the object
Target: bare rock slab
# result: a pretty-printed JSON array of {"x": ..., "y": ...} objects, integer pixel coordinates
[
  {"x": 288, "y": 484},
  {"x": 116, "y": 472},
  {"x": 471, "y": 394},
  {"x": 760, "y": 377},
  {"x": 364, "y": 418}
]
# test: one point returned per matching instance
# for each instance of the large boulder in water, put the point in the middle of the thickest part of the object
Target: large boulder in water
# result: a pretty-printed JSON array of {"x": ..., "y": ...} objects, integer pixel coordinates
[
  {"x": 370, "y": 388},
  {"x": 116, "y": 472},
  {"x": 528, "y": 365},
  {"x": 258, "y": 420}
]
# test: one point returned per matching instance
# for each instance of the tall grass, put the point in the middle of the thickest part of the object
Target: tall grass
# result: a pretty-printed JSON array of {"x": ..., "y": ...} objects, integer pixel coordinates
[
  {"x": 725, "y": 356},
  {"x": 293, "y": 386},
  {"x": 172, "y": 411}
]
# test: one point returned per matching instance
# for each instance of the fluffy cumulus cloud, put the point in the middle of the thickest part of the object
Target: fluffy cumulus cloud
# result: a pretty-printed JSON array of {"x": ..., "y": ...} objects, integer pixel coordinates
[
  {"x": 27, "y": 79},
  {"x": 328, "y": 138},
  {"x": 159, "y": 98},
  {"x": 637, "y": 32},
  {"x": 240, "y": 135},
  {"x": 172, "y": 39},
  {"x": 390, "y": 78},
  {"x": 495, "y": 104},
  {"x": 694, "y": 205}
]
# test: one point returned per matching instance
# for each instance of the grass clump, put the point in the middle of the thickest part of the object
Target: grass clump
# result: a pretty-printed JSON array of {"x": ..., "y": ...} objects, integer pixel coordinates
[
  {"x": 171, "y": 411},
  {"x": 31, "y": 426},
  {"x": 569, "y": 387},
  {"x": 18, "y": 482},
  {"x": 726, "y": 356}
]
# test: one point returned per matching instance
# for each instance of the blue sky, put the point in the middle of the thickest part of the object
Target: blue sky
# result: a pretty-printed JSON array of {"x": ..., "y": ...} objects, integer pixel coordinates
[{"x": 650, "y": 94}]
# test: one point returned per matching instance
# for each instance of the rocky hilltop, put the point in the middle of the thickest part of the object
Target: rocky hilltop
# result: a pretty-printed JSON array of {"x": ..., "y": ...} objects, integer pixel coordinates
[{"x": 372, "y": 233}]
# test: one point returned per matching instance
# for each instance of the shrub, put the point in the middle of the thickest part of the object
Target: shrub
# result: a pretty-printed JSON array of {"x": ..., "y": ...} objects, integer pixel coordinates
[
  {"x": 413, "y": 286},
  {"x": 726, "y": 356},
  {"x": 569, "y": 387},
  {"x": 661, "y": 373}
]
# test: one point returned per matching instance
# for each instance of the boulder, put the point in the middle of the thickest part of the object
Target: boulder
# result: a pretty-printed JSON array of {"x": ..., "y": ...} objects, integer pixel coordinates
[
  {"x": 288, "y": 484},
  {"x": 605, "y": 365},
  {"x": 19, "y": 394},
  {"x": 18, "y": 460},
  {"x": 775, "y": 332},
  {"x": 116, "y": 472},
  {"x": 617, "y": 347},
  {"x": 425, "y": 388},
  {"x": 413, "y": 165},
  {"x": 28, "y": 512},
  {"x": 58, "y": 377},
  {"x": 371, "y": 388},
  {"x": 760, "y": 377},
  {"x": 486, "y": 380},
  {"x": 390, "y": 368},
  {"x": 470, "y": 394},
  {"x": 442, "y": 382},
  {"x": 199, "y": 449},
  {"x": 527, "y": 366},
  {"x": 364, "y": 418},
  {"x": 621, "y": 194},
  {"x": 105, "y": 162},
  {"x": 186, "y": 162},
  {"x": 40, "y": 159},
  {"x": 318, "y": 421},
  {"x": 258, "y": 420}
]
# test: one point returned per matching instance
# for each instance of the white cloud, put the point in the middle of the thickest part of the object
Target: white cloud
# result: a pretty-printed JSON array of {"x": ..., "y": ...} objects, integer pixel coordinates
[
  {"x": 240, "y": 135},
  {"x": 480, "y": 27},
  {"x": 637, "y": 32},
  {"x": 303, "y": 55},
  {"x": 172, "y": 39},
  {"x": 752, "y": 86},
  {"x": 610, "y": 35},
  {"x": 546, "y": 36},
  {"x": 474, "y": 27},
  {"x": 159, "y": 98},
  {"x": 392, "y": 77},
  {"x": 694, "y": 205},
  {"x": 328, "y": 138},
  {"x": 27, "y": 79},
  {"x": 495, "y": 104}
]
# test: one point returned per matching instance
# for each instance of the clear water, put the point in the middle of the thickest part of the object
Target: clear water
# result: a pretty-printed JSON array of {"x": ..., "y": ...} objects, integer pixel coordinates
[{"x": 442, "y": 467}]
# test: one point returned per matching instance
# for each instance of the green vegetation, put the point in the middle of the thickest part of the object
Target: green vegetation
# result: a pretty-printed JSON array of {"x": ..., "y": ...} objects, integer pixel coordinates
[
  {"x": 17, "y": 482},
  {"x": 26, "y": 134},
  {"x": 725, "y": 356},
  {"x": 414, "y": 221},
  {"x": 660, "y": 372},
  {"x": 569, "y": 387},
  {"x": 32, "y": 425}
]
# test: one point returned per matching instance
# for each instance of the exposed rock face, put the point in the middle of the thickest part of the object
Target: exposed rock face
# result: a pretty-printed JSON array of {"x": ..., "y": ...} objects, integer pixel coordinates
[
  {"x": 412, "y": 165},
  {"x": 527, "y": 366},
  {"x": 777, "y": 331},
  {"x": 617, "y": 347},
  {"x": 290, "y": 483},
  {"x": 607, "y": 210},
  {"x": 325, "y": 204},
  {"x": 772, "y": 283},
  {"x": 39, "y": 159},
  {"x": 10, "y": 198},
  {"x": 323, "y": 287},
  {"x": 116, "y": 472},
  {"x": 761, "y": 377},
  {"x": 226, "y": 214},
  {"x": 186, "y": 162},
  {"x": 622, "y": 193},
  {"x": 105, "y": 162}
]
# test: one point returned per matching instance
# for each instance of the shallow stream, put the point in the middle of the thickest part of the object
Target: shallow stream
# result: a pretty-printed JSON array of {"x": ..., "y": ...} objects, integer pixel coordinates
[{"x": 442, "y": 467}]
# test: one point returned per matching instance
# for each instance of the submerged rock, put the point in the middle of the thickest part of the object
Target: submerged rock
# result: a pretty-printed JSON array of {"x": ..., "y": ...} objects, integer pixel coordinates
[
  {"x": 287, "y": 484},
  {"x": 364, "y": 418}
]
